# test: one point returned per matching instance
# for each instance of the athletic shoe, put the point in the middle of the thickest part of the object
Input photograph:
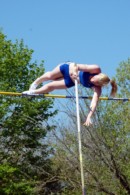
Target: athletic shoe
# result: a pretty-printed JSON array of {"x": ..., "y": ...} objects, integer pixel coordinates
[
  {"x": 31, "y": 92},
  {"x": 33, "y": 86}
]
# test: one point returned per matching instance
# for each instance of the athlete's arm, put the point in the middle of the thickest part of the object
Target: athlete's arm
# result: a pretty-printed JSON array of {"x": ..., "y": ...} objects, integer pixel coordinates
[
  {"x": 93, "y": 105},
  {"x": 89, "y": 68}
]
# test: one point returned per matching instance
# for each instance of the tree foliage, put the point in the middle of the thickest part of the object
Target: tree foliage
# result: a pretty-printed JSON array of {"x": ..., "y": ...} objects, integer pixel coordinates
[
  {"x": 12, "y": 181},
  {"x": 24, "y": 155}
]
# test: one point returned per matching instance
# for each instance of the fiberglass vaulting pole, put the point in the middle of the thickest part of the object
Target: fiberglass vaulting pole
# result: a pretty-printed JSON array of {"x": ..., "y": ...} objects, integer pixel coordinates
[{"x": 79, "y": 138}]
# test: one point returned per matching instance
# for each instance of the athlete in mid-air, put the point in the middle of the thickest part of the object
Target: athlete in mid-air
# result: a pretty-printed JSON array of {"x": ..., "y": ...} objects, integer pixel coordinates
[{"x": 63, "y": 77}]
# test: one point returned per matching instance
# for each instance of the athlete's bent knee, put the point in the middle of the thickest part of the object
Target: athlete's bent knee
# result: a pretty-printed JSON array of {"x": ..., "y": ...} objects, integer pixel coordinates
[
  {"x": 49, "y": 87},
  {"x": 49, "y": 75}
]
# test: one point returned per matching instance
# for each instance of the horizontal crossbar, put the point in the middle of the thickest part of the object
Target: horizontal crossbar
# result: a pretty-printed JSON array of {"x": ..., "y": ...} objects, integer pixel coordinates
[{"x": 58, "y": 96}]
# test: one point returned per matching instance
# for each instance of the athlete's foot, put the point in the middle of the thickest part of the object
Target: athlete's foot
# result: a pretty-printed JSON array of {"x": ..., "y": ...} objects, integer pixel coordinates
[
  {"x": 33, "y": 86},
  {"x": 30, "y": 92}
]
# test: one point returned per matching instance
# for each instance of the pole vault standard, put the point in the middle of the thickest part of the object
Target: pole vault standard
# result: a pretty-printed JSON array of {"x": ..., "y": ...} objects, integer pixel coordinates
[
  {"x": 79, "y": 138},
  {"x": 59, "y": 96}
]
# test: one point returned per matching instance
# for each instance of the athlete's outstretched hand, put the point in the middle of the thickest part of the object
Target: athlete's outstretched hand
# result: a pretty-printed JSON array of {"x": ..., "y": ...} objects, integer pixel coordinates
[{"x": 88, "y": 121}]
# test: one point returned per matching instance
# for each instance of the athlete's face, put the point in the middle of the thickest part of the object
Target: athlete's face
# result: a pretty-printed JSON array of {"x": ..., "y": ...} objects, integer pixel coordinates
[{"x": 96, "y": 80}]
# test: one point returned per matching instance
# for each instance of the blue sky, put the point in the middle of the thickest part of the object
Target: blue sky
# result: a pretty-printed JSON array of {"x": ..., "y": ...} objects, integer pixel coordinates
[{"x": 84, "y": 31}]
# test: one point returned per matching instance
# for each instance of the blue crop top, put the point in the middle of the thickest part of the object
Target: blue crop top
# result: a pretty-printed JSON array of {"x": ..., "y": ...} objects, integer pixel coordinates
[{"x": 84, "y": 78}]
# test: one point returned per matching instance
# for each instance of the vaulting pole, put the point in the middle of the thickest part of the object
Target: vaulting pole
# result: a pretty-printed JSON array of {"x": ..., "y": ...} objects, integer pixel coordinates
[{"x": 79, "y": 138}]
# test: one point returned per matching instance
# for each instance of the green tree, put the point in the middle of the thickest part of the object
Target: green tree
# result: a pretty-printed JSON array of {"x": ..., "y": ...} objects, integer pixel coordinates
[
  {"x": 23, "y": 122},
  {"x": 12, "y": 181}
]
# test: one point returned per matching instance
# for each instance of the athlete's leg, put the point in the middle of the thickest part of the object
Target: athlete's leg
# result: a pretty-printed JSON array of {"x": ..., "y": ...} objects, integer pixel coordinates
[
  {"x": 50, "y": 75},
  {"x": 58, "y": 84}
]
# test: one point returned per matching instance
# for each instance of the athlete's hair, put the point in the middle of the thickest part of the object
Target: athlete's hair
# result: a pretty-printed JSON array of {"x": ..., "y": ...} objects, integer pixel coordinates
[
  {"x": 114, "y": 88},
  {"x": 104, "y": 80}
]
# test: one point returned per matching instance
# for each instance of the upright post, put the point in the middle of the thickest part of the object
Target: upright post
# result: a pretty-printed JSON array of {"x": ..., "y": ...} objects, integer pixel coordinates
[{"x": 79, "y": 138}]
